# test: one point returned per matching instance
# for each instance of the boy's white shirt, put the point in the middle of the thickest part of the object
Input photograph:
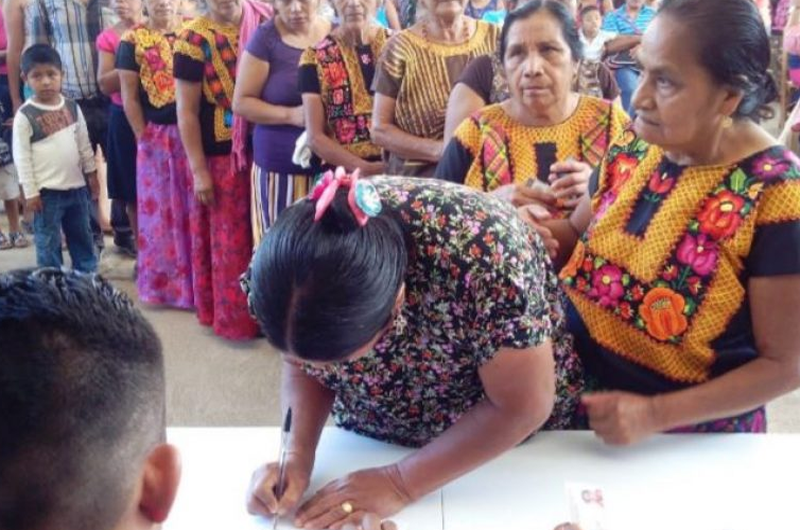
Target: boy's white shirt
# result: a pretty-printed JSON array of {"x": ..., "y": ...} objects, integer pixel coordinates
[
  {"x": 58, "y": 162},
  {"x": 593, "y": 50}
]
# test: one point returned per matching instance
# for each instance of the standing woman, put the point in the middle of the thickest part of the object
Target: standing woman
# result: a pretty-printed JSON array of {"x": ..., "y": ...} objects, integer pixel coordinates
[
  {"x": 336, "y": 79},
  {"x": 205, "y": 63},
  {"x": 120, "y": 148},
  {"x": 144, "y": 62},
  {"x": 267, "y": 95},
  {"x": 415, "y": 75}
]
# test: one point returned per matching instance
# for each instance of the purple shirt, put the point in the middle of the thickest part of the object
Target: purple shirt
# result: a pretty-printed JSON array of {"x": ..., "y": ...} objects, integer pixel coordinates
[{"x": 273, "y": 145}]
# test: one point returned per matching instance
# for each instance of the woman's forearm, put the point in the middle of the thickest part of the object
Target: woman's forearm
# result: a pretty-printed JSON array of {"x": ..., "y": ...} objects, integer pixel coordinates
[
  {"x": 311, "y": 405},
  {"x": 734, "y": 393},
  {"x": 255, "y": 110},
  {"x": 482, "y": 434},
  {"x": 189, "y": 129},
  {"x": 623, "y": 43},
  {"x": 334, "y": 154},
  {"x": 15, "y": 33},
  {"x": 397, "y": 141}
]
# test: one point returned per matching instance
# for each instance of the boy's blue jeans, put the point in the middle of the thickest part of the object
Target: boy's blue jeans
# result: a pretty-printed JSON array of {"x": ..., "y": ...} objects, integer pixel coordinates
[
  {"x": 67, "y": 210},
  {"x": 627, "y": 80}
]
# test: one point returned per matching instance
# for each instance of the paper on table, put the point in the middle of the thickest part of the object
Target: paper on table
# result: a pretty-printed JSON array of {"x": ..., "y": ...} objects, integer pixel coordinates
[
  {"x": 218, "y": 464},
  {"x": 686, "y": 482}
]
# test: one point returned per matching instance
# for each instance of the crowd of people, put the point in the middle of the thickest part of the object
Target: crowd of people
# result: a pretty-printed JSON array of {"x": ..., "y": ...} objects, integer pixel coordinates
[{"x": 461, "y": 231}]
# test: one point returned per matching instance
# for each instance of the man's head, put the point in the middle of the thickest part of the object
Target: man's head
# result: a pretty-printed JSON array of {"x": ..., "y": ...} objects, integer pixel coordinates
[
  {"x": 82, "y": 426},
  {"x": 42, "y": 71}
]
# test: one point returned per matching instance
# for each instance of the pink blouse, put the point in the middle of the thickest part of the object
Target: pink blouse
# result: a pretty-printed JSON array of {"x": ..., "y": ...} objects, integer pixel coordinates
[{"x": 108, "y": 41}]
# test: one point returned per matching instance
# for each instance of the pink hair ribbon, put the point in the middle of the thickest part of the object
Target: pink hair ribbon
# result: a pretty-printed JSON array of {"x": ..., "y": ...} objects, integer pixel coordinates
[{"x": 362, "y": 196}]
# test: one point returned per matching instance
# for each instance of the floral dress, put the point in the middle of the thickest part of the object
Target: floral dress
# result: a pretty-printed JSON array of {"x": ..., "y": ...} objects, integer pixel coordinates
[
  {"x": 478, "y": 280},
  {"x": 659, "y": 280}
]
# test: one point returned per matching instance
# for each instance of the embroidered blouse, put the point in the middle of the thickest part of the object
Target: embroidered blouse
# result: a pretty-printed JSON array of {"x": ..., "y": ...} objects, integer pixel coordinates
[
  {"x": 491, "y": 149},
  {"x": 149, "y": 53},
  {"x": 659, "y": 280},
  {"x": 206, "y": 53},
  {"x": 342, "y": 75}
]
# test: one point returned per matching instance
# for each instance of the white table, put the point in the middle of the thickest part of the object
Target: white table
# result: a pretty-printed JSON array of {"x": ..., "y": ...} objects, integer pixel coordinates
[{"x": 676, "y": 482}]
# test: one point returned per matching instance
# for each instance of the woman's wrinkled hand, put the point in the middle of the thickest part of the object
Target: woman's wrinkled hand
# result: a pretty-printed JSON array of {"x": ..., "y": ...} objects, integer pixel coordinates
[
  {"x": 204, "y": 187},
  {"x": 569, "y": 182},
  {"x": 621, "y": 418},
  {"x": 524, "y": 194},
  {"x": 261, "y": 495},
  {"x": 536, "y": 215},
  {"x": 348, "y": 500}
]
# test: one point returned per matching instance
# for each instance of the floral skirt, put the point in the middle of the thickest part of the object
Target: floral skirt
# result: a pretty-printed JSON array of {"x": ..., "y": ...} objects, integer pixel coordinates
[
  {"x": 272, "y": 194},
  {"x": 164, "y": 190},
  {"x": 222, "y": 245}
]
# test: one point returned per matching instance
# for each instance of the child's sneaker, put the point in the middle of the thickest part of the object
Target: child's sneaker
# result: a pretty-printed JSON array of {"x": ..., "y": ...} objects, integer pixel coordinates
[
  {"x": 18, "y": 240},
  {"x": 5, "y": 243}
]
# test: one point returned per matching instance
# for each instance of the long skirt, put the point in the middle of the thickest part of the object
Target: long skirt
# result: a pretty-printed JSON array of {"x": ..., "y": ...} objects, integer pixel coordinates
[
  {"x": 272, "y": 194},
  {"x": 222, "y": 245},
  {"x": 164, "y": 190},
  {"x": 120, "y": 151}
]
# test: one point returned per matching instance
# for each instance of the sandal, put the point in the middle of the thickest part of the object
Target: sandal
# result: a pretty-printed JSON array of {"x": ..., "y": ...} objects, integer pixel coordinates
[
  {"x": 18, "y": 240},
  {"x": 5, "y": 244}
]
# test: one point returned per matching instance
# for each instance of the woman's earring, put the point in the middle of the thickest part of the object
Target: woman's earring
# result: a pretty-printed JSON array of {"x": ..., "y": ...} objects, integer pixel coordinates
[
  {"x": 727, "y": 122},
  {"x": 400, "y": 323}
]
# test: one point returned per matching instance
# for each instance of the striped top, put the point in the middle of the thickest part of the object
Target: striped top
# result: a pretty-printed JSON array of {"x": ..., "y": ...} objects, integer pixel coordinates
[
  {"x": 419, "y": 75},
  {"x": 72, "y": 28},
  {"x": 618, "y": 21}
]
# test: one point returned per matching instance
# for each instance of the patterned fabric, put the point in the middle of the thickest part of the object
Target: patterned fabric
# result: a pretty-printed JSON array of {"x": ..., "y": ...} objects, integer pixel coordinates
[
  {"x": 213, "y": 48},
  {"x": 272, "y": 194},
  {"x": 152, "y": 52},
  {"x": 478, "y": 280},
  {"x": 660, "y": 278},
  {"x": 221, "y": 249},
  {"x": 165, "y": 191},
  {"x": 346, "y": 94},
  {"x": 419, "y": 75},
  {"x": 490, "y": 149},
  {"x": 478, "y": 12},
  {"x": 72, "y": 28},
  {"x": 618, "y": 21}
]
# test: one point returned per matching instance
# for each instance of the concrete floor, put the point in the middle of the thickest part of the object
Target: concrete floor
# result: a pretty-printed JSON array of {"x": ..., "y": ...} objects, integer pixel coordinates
[{"x": 214, "y": 382}]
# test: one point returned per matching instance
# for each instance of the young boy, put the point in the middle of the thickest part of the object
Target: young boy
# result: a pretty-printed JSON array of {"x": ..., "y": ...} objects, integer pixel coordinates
[
  {"x": 82, "y": 422},
  {"x": 593, "y": 38},
  {"x": 55, "y": 162}
]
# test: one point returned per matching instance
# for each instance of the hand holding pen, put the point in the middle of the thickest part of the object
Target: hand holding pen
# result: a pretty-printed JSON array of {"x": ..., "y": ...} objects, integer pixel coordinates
[{"x": 265, "y": 497}]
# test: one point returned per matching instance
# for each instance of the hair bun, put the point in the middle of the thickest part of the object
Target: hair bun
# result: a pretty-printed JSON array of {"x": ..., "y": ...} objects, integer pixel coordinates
[{"x": 339, "y": 218}]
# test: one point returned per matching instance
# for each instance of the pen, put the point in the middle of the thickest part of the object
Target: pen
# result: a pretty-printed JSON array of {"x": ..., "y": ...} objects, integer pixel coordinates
[{"x": 287, "y": 427}]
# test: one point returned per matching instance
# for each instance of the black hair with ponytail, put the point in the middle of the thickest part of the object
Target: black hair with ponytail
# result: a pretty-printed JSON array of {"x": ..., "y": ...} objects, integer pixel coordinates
[
  {"x": 732, "y": 45},
  {"x": 322, "y": 290}
]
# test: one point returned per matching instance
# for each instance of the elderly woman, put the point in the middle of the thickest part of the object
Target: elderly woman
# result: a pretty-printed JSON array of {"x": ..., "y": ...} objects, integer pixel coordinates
[
  {"x": 418, "y": 68},
  {"x": 267, "y": 95},
  {"x": 145, "y": 65},
  {"x": 629, "y": 21},
  {"x": 335, "y": 79},
  {"x": 420, "y": 313},
  {"x": 204, "y": 67},
  {"x": 545, "y": 134},
  {"x": 685, "y": 270}
]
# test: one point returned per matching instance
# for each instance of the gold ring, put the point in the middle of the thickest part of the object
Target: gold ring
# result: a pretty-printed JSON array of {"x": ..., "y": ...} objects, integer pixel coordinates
[{"x": 347, "y": 508}]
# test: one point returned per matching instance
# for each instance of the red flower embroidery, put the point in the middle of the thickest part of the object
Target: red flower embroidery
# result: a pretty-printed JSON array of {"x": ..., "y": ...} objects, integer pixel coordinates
[
  {"x": 607, "y": 285},
  {"x": 720, "y": 217},
  {"x": 620, "y": 170},
  {"x": 699, "y": 253},
  {"x": 661, "y": 183},
  {"x": 670, "y": 273}
]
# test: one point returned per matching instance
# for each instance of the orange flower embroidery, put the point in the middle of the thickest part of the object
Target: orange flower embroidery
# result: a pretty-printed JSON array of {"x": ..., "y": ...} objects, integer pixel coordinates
[
  {"x": 662, "y": 311},
  {"x": 720, "y": 218}
]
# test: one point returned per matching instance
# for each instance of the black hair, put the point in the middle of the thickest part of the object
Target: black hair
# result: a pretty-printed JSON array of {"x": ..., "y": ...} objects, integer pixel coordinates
[
  {"x": 585, "y": 10},
  {"x": 39, "y": 54},
  {"x": 732, "y": 45},
  {"x": 559, "y": 11},
  {"x": 322, "y": 290},
  {"x": 81, "y": 400}
]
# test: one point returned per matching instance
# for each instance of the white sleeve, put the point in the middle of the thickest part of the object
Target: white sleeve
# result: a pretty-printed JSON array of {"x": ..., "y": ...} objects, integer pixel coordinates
[
  {"x": 23, "y": 157},
  {"x": 85, "y": 145}
]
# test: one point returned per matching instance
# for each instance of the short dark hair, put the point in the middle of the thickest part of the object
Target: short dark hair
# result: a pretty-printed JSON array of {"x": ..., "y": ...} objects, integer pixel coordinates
[
  {"x": 322, "y": 290},
  {"x": 81, "y": 400},
  {"x": 585, "y": 10},
  {"x": 732, "y": 44},
  {"x": 39, "y": 54},
  {"x": 559, "y": 11}
]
